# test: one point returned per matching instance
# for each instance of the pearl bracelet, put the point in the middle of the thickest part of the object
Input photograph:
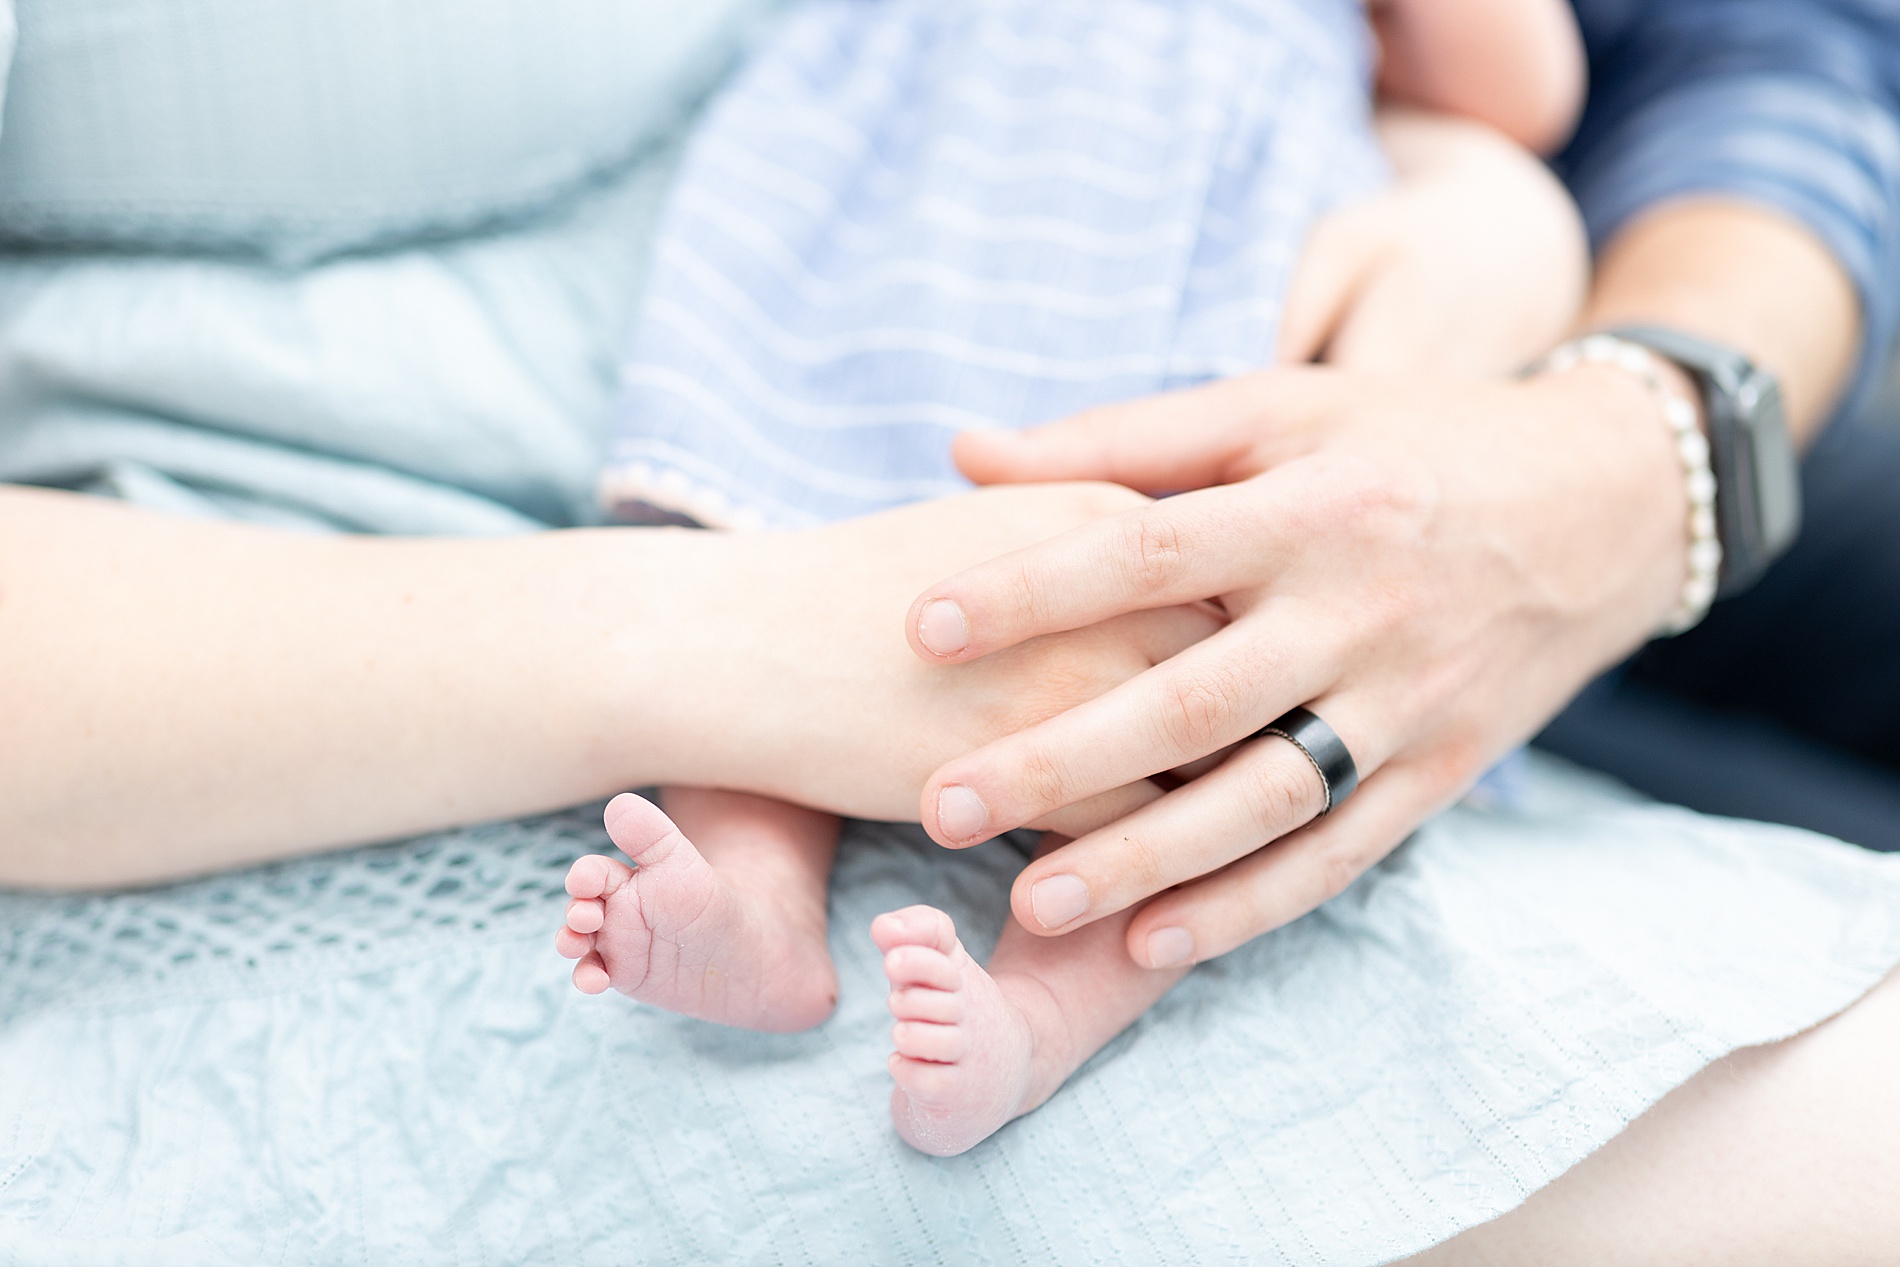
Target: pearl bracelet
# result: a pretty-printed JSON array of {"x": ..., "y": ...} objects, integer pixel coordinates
[{"x": 1705, "y": 547}]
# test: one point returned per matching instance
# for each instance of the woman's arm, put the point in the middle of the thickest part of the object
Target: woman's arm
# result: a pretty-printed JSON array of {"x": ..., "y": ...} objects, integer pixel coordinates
[{"x": 177, "y": 697}]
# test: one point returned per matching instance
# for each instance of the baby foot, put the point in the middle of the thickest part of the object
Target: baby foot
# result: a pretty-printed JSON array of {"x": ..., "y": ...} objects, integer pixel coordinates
[
  {"x": 966, "y": 1059},
  {"x": 675, "y": 933}
]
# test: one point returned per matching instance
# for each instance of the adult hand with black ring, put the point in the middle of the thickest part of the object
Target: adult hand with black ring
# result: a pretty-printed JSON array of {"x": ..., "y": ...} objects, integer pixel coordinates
[{"x": 1432, "y": 567}]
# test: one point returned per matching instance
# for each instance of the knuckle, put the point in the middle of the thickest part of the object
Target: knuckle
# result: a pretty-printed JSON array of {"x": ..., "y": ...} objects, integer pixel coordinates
[
  {"x": 1230, "y": 914},
  {"x": 1028, "y": 594},
  {"x": 1248, "y": 912},
  {"x": 1041, "y": 781},
  {"x": 1153, "y": 553},
  {"x": 1336, "y": 870},
  {"x": 1366, "y": 499},
  {"x": 1141, "y": 867},
  {"x": 1277, "y": 796},
  {"x": 1200, "y": 708},
  {"x": 1453, "y": 765}
]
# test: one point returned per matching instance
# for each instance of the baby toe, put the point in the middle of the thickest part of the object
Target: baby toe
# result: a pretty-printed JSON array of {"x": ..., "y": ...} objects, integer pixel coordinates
[
  {"x": 587, "y": 877},
  {"x": 926, "y": 1079},
  {"x": 596, "y": 876},
  {"x": 908, "y": 966},
  {"x": 590, "y": 975},
  {"x": 635, "y": 824},
  {"x": 572, "y": 945},
  {"x": 915, "y": 926},
  {"x": 586, "y": 915}
]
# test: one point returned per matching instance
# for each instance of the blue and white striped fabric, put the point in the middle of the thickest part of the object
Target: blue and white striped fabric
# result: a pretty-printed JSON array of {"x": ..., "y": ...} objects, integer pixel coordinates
[{"x": 912, "y": 217}]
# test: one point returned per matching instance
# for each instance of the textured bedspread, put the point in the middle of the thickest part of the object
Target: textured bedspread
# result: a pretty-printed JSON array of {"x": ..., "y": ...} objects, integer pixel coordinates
[{"x": 376, "y": 1057}]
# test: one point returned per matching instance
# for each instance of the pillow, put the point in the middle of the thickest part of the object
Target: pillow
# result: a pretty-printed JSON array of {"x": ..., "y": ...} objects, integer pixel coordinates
[{"x": 294, "y": 129}]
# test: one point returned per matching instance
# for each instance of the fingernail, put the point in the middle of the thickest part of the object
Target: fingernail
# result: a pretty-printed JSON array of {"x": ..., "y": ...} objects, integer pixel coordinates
[
  {"x": 1058, "y": 899},
  {"x": 1168, "y": 947},
  {"x": 961, "y": 813},
  {"x": 942, "y": 628}
]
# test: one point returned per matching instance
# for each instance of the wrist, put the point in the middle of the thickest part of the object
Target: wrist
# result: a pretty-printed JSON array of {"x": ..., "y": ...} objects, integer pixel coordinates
[
  {"x": 720, "y": 644},
  {"x": 1624, "y": 462},
  {"x": 657, "y": 678},
  {"x": 1681, "y": 412}
]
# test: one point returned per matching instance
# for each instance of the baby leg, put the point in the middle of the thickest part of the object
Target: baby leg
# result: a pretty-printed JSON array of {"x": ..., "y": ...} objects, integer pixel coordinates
[
  {"x": 976, "y": 1049},
  {"x": 727, "y": 926}
]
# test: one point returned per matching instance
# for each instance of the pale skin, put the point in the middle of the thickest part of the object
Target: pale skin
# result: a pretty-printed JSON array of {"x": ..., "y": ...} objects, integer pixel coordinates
[
  {"x": 282, "y": 698},
  {"x": 724, "y": 918},
  {"x": 975, "y": 1048},
  {"x": 1562, "y": 558},
  {"x": 1776, "y": 1156},
  {"x": 1515, "y": 66},
  {"x": 1565, "y": 554},
  {"x": 184, "y": 697}
]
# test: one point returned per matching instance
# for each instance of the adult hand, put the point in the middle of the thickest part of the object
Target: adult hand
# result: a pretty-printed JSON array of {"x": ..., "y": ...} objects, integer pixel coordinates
[
  {"x": 807, "y": 691},
  {"x": 1433, "y": 566},
  {"x": 1472, "y": 262}
]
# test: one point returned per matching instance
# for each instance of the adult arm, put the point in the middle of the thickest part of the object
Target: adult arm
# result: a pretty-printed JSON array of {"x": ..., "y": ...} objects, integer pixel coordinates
[
  {"x": 180, "y": 696},
  {"x": 177, "y": 697},
  {"x": 1789, "y": 106},
  {"x": 1792, "y": 307}
]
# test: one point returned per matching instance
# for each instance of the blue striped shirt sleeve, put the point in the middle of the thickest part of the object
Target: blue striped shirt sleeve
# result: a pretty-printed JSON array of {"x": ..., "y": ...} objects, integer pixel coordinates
[{"x": 1793, "y": 104}]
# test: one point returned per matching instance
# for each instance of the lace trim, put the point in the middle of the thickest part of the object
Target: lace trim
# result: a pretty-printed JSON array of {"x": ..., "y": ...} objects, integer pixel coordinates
[{"x": 335, "y": 913}]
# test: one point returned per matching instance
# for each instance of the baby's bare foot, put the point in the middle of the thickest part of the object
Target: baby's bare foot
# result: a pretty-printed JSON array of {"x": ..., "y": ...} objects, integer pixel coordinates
[
  {"x": 968, "y": 1055},
  {"x": 675, "y": 933}
]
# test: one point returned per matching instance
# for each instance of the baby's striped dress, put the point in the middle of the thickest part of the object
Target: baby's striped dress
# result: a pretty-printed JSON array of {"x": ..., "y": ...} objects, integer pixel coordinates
[{"x": 906, "y": 218}]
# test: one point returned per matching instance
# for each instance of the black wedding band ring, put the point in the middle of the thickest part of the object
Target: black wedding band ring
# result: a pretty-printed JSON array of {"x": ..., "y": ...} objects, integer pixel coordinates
[{"x": 1322, "y": 745}]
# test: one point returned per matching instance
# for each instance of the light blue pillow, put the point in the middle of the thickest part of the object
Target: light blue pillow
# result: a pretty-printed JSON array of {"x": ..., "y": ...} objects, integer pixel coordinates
[{"x": 294, "y": 129}]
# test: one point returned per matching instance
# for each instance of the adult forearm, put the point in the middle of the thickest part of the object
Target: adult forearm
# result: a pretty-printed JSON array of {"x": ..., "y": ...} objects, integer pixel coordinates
[
  {"x": 177, "y": 697},
  {"x": 1743, "y": 275}
]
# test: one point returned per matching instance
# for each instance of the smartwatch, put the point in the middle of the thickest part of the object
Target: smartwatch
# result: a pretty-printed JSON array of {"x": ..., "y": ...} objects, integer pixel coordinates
[{"x": 1757, "y": 476}]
